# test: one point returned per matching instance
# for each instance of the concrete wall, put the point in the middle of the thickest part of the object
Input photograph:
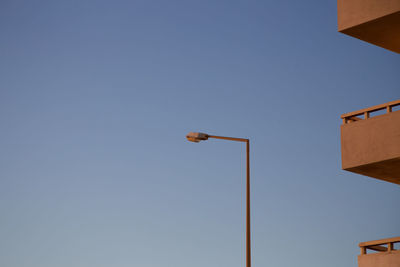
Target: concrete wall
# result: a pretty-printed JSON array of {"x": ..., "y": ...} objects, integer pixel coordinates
[
  {"x": 382, "y": 259},
  {"x": 355, "y": 12},
  {"x": 373, "y": 21},
  {"x": 372, "y": 147}
]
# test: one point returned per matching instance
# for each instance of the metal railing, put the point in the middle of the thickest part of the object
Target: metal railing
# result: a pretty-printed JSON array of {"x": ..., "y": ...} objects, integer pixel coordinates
[
  {"x": 383, "y": 245},
  {"x": 353, "y": 116}
]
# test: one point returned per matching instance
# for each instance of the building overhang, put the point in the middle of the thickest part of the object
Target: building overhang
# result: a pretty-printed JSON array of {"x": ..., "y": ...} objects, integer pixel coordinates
[
  {"x": 370, "y": 142},
  {"x": 373, "y": 21}
]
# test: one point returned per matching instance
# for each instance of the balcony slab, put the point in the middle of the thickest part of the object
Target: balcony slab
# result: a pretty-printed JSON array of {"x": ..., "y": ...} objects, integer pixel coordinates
[{"x": 373, "y": 21}]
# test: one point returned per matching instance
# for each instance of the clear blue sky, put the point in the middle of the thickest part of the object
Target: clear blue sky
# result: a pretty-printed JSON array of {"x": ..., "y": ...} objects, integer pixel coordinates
[{"x": 96, "y": 98}]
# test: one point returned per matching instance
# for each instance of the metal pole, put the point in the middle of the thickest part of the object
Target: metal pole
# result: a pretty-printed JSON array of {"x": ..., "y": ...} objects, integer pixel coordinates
[{"x": 248, "y": 241}]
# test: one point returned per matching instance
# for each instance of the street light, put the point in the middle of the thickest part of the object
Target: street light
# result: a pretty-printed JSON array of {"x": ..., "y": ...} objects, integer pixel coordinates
[{"x": 197, "y": 137}]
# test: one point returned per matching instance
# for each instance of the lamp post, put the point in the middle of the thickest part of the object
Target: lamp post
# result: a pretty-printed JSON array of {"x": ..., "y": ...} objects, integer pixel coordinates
[{"x": 197, "y": 137}]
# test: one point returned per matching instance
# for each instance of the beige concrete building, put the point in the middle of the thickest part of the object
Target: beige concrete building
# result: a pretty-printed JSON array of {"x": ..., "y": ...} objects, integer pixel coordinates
[
  {"x": 370, "y": 138},
  {"x": 371, "y": 147},
  {"x": 373, "y": 21},
  {"x": 385, "y": 256},
  {"x": 371, "y": 143}
]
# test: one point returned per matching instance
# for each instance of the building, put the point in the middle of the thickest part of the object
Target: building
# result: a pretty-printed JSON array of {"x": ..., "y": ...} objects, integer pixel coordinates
[{"x": 370, "y": 138}]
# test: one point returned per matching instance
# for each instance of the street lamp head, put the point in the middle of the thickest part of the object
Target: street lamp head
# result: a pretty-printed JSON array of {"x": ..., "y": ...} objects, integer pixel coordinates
[{"x": 196, "y": 137}]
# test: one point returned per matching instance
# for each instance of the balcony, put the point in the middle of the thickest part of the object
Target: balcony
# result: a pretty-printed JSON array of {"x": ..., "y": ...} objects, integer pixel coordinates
[
  {"x": 373, "y": 21},
  {"x": 371, "y": 142},
  {"x": 387, "y": 255}
]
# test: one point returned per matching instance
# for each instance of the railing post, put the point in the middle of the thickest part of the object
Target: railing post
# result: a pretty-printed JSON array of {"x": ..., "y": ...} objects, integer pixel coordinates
[
  {"x": 363, "y": 250},
  {"x": 390, "y": 246},
  {"x": 389, "y": 109},
  {"x": 366, "y": 115}
]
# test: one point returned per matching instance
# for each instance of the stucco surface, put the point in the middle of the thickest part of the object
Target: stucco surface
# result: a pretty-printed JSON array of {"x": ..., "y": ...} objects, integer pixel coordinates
[
  {"x": 355, "y": 12},
  {"x": 372, "y": 147},
  {"x": 385, "y": 259},
  {"x": 373, "y": 21}
]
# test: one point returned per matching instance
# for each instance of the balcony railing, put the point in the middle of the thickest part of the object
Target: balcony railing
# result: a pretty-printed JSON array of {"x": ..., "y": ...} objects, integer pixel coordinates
[
  {"x": 367, "y": 112},
  {"x": 383, "y": 245}
]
